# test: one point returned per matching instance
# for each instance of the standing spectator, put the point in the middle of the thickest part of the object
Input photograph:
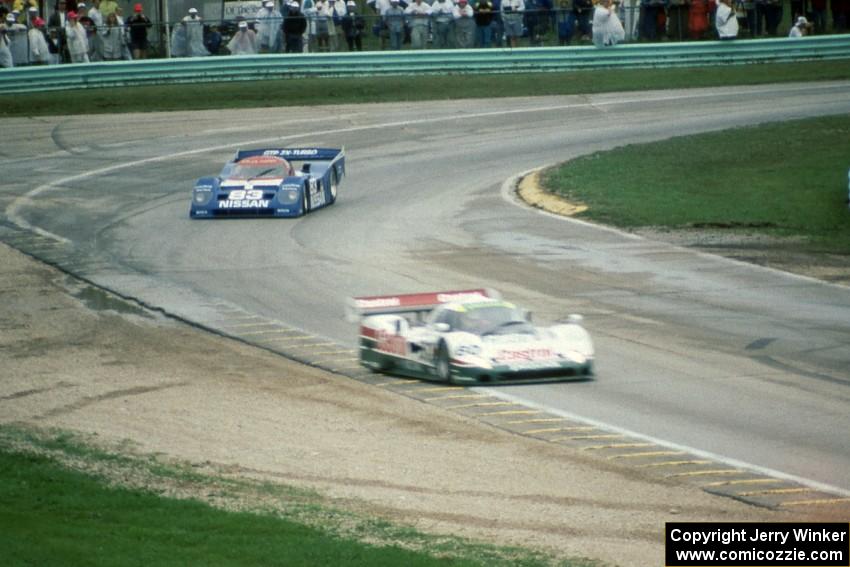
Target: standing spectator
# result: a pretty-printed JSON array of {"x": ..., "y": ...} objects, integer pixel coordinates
[
  {"x": 464, "y": 25},
  {"x": 607, "y": 28},
  {"x": 583, "y": 11},
  {"x": 119, "y": 17},
  {"x": 512, "y": 20},
  {"x": 840, "y": 15},
  {"x": 755, "y": 17},
  {"x": 32, "y": 14},
  {"x": 16, "y": 34},
  {"x": 5, "y": 52},
  {"x": 294, "y": 26},
  {"x": 56, "y": 25},
  {"x": 138, "y": 25},
  {"x": 107, "y": 7},
  {"x": 819, "y": 16},
  {"x": 677, "y": 19},
  {"x": 564, "y": 21},
  {"x": 244, "y": 41},
  {"x": 194, "y": 30},
  {"x": 319, "y": 17},
  {"x": 95, "y": 14},
  {"x": 650, "y": 11},
  {"x": 698, "y": 13},
  {"x": 394, "y": 20},
  {"x": 497, "y": 29},
  {"x": 725, "y": 20},
  {"x": 337, "y": 10},
  {"x": 353, "y": 27},
  {"x": 213, "y": 40},
  {"x": 113, "y": 38},
  {"x": 78, "y": 45},
  {"x": 531, "y": 19},
  {"x": 419, "y": 19},
  {"x": 773, "y": 16},
  {"x": 442, "y": 14},
  {"x": 483, "y": 22},
  {"x": 39, "y": 46},
  {"x": 800, "y": 28},
  {"x": 269, "y": 22},
  {"x": 88, "y": 23}
]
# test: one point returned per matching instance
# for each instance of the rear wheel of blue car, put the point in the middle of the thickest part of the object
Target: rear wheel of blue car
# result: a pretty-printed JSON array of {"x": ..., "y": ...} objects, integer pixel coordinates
[
  {"x": 334, "y": 186},
  {"x": 441, "y": 363}
]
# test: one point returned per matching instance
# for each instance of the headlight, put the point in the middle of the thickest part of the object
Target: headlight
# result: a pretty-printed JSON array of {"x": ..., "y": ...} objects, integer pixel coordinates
[
  {"x": 202, "y": 196},
  {"x": 287, "y": 196}
]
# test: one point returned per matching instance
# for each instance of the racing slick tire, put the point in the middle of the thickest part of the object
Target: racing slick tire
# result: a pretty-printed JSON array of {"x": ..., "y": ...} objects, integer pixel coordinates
[
  {"x": 333, "y": 189},
  {"x": 305, "y": 202},
  {"x": 441, "y": 363}
]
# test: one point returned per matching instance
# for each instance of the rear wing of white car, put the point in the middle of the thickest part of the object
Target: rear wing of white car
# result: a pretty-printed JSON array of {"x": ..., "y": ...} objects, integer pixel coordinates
[{"x": 358, "y": 307}]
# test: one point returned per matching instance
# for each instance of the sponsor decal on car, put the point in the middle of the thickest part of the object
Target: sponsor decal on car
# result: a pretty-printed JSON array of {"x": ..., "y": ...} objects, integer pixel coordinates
[
  {"x": 365, "y": 303},
  {"x": 390, "y": 343},
  {"x": 509, "y": 356},
  {"x": 244, "y": 199}
]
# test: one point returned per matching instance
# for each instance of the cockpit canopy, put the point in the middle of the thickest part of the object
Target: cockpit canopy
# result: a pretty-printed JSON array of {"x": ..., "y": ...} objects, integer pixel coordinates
[
  {"x": 483, "y": 318},
  {"x": 257, "y": 167}
]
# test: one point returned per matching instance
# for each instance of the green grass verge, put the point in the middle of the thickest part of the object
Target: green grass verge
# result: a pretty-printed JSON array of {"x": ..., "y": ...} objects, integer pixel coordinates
[
  {"x": 69, "y": 503},
  {"x": 787, "y": 179},
  {"x": 331, "y": 91}
]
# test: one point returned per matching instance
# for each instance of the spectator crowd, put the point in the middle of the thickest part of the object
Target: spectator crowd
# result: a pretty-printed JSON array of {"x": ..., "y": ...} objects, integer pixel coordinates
[{"x": 77, "y": 32}]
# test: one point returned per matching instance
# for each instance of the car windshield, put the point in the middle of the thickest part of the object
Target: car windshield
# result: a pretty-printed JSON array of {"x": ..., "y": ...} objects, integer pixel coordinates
[
  {"x": 487, "y": 319},
  {"x": 257, "y": 167}
]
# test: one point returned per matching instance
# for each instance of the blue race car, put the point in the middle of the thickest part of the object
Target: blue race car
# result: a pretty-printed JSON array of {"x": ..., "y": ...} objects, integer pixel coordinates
[{"x": 271, "y": 183}]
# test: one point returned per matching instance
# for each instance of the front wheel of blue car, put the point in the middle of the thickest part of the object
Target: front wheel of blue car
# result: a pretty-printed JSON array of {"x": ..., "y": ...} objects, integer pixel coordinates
[
  {"x": 304, "y": 202},
  {"x": 441, "y": 363}
]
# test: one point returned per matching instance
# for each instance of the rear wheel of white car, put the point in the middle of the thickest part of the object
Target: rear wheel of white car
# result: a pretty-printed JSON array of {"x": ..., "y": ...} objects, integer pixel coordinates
[{"x": 441, "y": 363}]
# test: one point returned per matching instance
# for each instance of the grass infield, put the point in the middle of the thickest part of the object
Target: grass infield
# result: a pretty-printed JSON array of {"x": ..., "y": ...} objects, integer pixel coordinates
[
  {"x": 333, "y": 91},
  {"x": 787, "y": 180},
  {"x": 68, "y": 503}
]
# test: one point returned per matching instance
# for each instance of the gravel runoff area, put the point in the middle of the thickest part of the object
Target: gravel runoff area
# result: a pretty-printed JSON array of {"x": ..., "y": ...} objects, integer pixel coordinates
[{"x": 137, "y": 382}]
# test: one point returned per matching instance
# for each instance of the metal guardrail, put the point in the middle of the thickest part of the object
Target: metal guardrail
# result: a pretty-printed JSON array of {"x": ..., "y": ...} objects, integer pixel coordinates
[{"x": 361, "y": 64}]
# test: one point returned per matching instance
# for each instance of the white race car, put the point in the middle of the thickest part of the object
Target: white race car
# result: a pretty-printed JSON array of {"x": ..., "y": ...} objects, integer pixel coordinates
[{"x": 467, "y": 336}]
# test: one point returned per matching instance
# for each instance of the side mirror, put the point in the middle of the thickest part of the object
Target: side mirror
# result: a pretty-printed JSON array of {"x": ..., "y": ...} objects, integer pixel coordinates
[
  {"x": 575, "y": 319},
  {"x": 442, "y": 327}
]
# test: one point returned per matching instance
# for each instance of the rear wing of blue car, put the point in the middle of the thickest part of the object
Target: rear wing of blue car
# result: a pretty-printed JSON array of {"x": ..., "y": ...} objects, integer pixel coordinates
[{"x": 293, "y": 154}]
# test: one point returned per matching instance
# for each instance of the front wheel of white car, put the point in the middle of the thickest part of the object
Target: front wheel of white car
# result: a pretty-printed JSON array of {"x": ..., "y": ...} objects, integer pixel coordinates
[{"x": 441, "y": 364}]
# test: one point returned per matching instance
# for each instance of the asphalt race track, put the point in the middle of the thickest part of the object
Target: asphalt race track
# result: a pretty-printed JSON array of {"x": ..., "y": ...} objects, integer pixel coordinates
[{"x": 748, "y": 365}]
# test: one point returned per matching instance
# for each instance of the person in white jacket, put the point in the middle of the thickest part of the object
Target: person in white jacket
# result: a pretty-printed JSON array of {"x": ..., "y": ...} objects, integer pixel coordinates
[
  {"x": 464, "y": 17},
  {"x": 78, "y": 43},
  {"x": 607, "y": 28},
  {"x": 725, "y": 20},
  {"x": 800, "y": 28},
  {"x": 269, "y": 22},
  {"x": 39, "y": 51},
  {"x": 194, "y": 26},
  {"x": 244, "y": 41},
  {"x": 5, "y": 52},
  {"x": 419, "y": 19},
  {"x": 442, "y": 13}
]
